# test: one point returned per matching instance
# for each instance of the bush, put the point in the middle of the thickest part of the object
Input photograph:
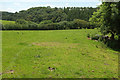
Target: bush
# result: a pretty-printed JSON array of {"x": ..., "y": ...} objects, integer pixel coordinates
[
  {"x": 50, "y": 26},
  {"x": 71, "y": 25},
  {"x": 32, "y": 25},
  {"x": 78, "y": 24},
  {"x": 63, "y": 25}
]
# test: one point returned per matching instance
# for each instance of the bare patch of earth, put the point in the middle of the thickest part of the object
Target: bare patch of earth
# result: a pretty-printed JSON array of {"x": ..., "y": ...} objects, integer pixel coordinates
[{"x": 56, "y": 44}]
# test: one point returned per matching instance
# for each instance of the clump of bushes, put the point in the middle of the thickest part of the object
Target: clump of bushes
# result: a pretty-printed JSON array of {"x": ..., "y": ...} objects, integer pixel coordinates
[
  {"x": 106, "y": 39},
  {"x": 79, "y": 24},
  {"x": 32, "y": 25},
  {"x": 98, "y": 37}
]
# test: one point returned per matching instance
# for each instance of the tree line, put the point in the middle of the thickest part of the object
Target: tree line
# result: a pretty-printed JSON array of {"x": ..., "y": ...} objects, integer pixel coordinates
[
  {"x": 38, "y": 14},
  {"x": 47, "y": 18},
  {"x": 21, "y": 24}
]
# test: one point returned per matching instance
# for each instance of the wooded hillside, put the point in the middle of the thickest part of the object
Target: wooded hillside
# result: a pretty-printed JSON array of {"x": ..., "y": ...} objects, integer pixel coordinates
[{"x": 38, "y": 14}]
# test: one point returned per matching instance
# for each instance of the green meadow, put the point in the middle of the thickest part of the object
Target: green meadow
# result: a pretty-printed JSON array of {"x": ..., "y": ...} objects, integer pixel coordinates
[
  {"x": 7, "y": 22},
  {"x": 68, "y": 53}
]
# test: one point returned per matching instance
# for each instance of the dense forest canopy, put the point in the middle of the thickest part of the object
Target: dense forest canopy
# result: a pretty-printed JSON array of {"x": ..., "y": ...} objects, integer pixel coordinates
[
  {"x": 47, "y": 18},
  {"x": 38, "y": 14}
]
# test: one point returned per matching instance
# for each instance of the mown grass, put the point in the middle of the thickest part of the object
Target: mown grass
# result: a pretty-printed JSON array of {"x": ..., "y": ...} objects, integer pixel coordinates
[{"x": 28, "y": 54}]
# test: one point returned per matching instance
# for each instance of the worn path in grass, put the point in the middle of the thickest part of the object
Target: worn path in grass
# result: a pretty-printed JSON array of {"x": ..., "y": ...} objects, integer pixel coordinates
[{"x": 56, "y": 54}]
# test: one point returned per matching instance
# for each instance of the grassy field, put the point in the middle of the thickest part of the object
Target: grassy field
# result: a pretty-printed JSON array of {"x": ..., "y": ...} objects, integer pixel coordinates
[
  {"x": 69, "y": 53},
  {"x": 7, "y": 22}
]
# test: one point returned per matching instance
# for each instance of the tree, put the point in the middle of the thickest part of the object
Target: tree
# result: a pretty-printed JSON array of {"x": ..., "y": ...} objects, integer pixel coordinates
[
  {"x": 116, "y": 19},
  {"x": 108, "y": 17},
  {"x": 95, "y": 19}
]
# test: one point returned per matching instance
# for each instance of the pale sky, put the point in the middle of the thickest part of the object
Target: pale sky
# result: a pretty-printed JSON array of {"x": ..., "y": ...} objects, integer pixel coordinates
[{"x": 18, "y": 5}]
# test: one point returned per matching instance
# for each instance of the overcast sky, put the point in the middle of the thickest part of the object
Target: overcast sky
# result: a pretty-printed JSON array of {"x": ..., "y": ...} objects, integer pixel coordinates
[{"x": 17, "y": 5}]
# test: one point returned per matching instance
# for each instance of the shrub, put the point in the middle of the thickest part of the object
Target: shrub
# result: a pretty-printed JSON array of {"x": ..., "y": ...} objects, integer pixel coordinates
[
  {"x": 71, "y": 25},
  {"x": 32, "y": 25},
  {"x": 78, "y": 24},
  {"x": 63, "y": 25}
]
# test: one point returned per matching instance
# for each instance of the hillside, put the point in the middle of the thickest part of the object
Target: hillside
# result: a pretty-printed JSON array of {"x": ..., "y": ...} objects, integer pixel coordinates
[{"x": 38, "y": 14}]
